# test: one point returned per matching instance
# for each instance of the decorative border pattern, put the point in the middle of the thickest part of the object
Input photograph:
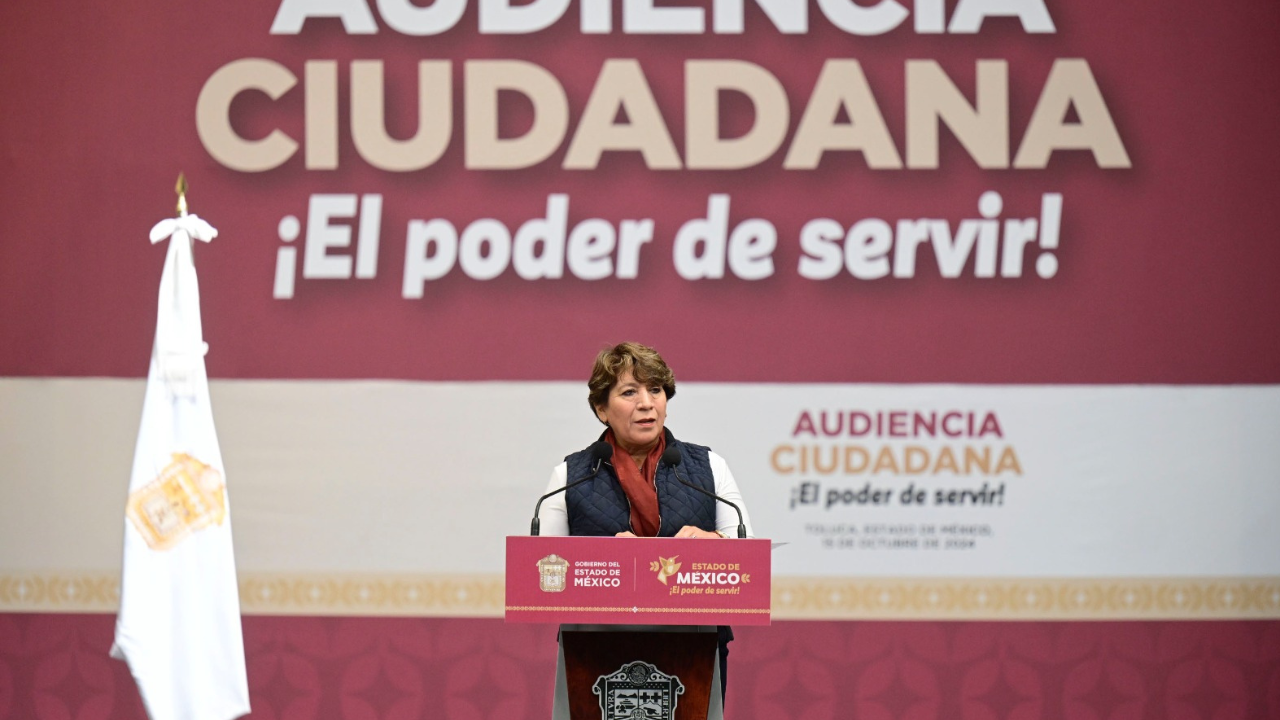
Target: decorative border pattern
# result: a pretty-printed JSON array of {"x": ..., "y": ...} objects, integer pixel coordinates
[
  {"x": 414, "y": 595},
  {"x": 262, "y": 594},
  {"x": 633, "y": 609},
  {"x": 60, "y": 592},
  {"x": 1026, "y": 599},
  {"x": 793, "y": 598}
]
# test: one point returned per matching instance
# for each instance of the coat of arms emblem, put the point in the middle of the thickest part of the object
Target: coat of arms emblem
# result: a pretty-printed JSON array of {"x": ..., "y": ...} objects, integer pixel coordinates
[
  {"x": 553, "y": 572},
  {"x": 638, "y": 691},
  {"x": 185, "y": 497}
]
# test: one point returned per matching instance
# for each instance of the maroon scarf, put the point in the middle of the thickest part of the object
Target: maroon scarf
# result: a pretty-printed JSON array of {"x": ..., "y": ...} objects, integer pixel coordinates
[{"x": 638, "y": 484}]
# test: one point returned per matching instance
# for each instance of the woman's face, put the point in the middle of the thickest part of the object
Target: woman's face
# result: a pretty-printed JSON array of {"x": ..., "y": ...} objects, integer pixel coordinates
[{"x": 635, "y": 412}]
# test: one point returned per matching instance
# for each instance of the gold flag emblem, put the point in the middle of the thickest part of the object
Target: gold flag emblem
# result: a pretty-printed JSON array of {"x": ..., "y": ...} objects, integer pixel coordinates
[{"x": 185, "y": 497}]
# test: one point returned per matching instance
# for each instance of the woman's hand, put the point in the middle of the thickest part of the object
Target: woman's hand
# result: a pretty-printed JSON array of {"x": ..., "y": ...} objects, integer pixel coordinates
[
  {"x": 689, "y": 531},
  {"x": 625, "y": 533}
]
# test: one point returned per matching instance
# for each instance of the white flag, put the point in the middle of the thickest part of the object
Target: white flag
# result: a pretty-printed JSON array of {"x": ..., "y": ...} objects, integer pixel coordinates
[{"x": 179, "y": 622}]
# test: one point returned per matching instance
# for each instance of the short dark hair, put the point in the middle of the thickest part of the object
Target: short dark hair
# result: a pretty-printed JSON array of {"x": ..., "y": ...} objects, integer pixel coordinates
[{"x": 643, "y": 362}]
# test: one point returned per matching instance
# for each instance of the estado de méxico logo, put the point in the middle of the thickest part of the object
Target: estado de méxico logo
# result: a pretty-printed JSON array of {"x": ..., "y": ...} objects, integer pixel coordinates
[
  {"x": 701, "y": 578},
  {"x": 665, "y": 567}
]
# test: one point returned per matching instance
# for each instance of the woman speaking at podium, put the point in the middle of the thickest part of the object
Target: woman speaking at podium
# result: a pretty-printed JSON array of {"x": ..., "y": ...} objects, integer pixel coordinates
[{"x": 637, "y": 466}]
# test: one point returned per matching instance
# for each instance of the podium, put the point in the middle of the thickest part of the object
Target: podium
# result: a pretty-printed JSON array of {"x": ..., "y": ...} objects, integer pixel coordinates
[{"x": 638, "y": 618}]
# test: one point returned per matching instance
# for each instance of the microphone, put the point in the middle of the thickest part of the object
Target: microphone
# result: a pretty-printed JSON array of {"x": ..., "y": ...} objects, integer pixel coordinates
[
  {"x": 600, "y": 451},
  {"x": 672, "y": 457}
]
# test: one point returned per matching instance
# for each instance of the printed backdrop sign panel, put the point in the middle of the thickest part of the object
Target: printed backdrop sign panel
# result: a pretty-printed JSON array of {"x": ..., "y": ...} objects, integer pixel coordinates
[
  {"x": 650, "y": 581},
  {"x": 378, "y": 497},
  {"x": 1015, "y": 258},
  {"x": 1012, "y": 481},
  {"x": 977, "y": 192}
]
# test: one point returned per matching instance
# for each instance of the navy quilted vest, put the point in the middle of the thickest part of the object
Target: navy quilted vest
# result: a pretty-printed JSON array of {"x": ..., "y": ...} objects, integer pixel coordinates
[{"x": 599, "y": 507}]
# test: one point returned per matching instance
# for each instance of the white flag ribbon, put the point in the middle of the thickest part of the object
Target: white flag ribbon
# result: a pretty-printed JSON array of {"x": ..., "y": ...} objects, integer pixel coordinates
[{"x": 179, "y": 622}]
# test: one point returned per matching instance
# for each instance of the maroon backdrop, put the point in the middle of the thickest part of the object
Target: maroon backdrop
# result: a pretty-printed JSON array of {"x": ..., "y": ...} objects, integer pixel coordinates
[
  {"x": 1167, "y": 268},
  {"x": 1168, "y": 275},
  {"x": 56, "y": 667}
]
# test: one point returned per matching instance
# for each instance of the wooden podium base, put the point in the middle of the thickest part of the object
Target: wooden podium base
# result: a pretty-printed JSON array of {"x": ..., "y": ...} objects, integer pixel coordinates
[{"x": 623, "y": 672}]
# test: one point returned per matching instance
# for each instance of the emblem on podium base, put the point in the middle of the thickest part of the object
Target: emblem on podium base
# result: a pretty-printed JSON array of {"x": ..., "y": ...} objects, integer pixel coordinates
[{"x": 638, "y": 691}]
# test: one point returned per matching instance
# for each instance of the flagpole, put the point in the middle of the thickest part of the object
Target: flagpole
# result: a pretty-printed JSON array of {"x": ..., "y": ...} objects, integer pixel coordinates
[{"x": 181, "y": 189}]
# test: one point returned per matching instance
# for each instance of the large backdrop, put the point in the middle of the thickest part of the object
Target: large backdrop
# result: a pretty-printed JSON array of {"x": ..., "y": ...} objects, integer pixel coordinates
[{"x": 978, "y": 298}]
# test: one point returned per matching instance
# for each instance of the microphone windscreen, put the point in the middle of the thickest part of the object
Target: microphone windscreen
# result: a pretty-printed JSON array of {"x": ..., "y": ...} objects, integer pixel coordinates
[
  {"x": 671, "y": 456},
  {"x": 601, "y": 450}
]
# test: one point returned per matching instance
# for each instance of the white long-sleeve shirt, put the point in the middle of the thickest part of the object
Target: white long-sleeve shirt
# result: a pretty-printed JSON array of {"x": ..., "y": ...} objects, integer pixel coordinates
[{"x": 555, "y": 513}]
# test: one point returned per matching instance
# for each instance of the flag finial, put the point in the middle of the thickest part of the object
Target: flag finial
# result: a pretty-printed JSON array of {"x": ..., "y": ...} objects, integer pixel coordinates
[{"x": 181, "y": 189}]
